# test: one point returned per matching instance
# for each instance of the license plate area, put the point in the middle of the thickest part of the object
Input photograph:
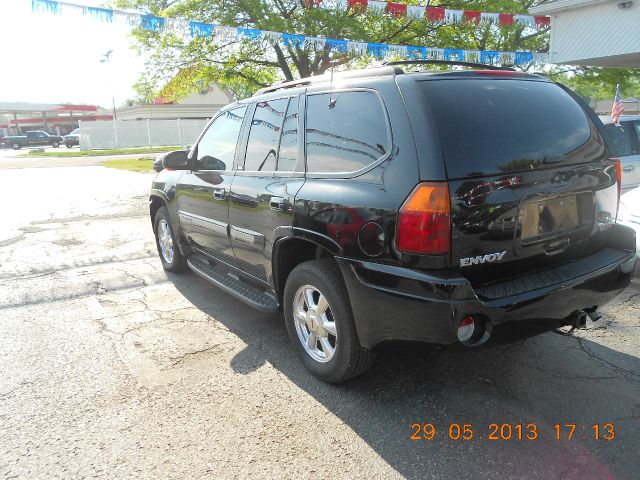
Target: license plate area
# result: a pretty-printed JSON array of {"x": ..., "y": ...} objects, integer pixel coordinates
[{"x": 552, "y": 217}]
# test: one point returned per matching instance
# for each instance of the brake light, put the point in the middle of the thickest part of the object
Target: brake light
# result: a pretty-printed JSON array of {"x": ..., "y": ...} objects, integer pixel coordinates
[
  {"x": 499, "y": 73},
  {"x": 424, "y": 224},
  {"x": 618, "y": 167}
]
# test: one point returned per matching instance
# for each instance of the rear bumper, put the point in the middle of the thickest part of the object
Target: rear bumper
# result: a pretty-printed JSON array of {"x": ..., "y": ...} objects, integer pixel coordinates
[{"x": 396, "y": 303}]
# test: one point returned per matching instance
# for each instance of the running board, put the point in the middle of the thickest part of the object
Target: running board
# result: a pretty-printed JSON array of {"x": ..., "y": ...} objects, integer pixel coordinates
[{"x": 242, "y": 291}]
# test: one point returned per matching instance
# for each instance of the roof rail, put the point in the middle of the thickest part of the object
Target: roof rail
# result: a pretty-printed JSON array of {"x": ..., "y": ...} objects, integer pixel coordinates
[
  {"x": 448, "y": 62},
  {"x": 284, "y": 84},
  {"x": 326, "y": 77}
]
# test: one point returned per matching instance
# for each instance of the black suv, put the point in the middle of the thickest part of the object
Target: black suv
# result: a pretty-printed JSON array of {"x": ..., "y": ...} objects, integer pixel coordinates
[{"x": 384, "y": 205}]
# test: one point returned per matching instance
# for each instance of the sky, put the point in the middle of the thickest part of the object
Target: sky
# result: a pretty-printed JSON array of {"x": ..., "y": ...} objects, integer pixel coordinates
[{"x": 56, "y": 58}]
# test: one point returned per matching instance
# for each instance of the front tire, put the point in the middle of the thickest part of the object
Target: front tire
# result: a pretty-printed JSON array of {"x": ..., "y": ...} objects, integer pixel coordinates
[
  {"x": 55, "y": 144},
  {"x": 170, "y": 255},
  {"x": 320, "y": 323},
  {"x": 68, "y": 145},
  {"x": 16, "y": 146}
]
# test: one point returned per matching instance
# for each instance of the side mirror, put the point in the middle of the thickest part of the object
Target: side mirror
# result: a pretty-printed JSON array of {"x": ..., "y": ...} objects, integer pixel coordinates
[{"x": 177, "y": 160}]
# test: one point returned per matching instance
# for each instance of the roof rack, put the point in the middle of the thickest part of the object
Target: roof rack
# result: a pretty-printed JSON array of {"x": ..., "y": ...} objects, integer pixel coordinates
[
  {"x": 449, "y": 62},
  {"x": 325, "y": 78}
]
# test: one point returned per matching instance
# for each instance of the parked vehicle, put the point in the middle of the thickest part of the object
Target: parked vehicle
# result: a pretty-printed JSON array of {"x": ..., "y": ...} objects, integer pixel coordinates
[
  {"x": 629, "y": 212},
  {"x": 72, "y": 138},
  {"x": 382, "y": 205},
  {"x": 33, "y": 138},
  {"x": 625, "y": 143}
]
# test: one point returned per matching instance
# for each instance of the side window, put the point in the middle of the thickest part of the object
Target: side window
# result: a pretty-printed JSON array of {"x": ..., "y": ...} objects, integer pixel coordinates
[
  {"x": 345, "y": 131},
  {"x": 217, "y": 147},
  {"x": 620, "y": 139},
  {"x": 265, "y": 130},
  {"x": 289, "y": 142}
]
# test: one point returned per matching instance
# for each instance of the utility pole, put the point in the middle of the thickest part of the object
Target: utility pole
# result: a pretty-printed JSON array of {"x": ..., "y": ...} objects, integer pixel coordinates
[{"x": 105, "y": 59}]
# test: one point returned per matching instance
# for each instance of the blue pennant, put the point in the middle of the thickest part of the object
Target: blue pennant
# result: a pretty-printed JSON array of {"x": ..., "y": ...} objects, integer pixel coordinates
[
  {"x": 523, "y": 57},
  {"x": 296, "y": 41},
  {"x": 378, "y": 49},
  {"x": 417, "y": 53},
  {"x": 252, "y": 33},
  {"x": 102, "y": 14},
  {"x": 47, "y": 6},
  {"x": 151, "y": 22},
  {"x": 334, "y": 44},
  {"x": 200, "y": 29}
]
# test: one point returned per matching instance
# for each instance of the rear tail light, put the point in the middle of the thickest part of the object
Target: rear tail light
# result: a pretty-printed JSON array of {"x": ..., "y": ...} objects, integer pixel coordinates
[
  {"x": 618, "y": 167},
  {"x": 424, "y": 224}
]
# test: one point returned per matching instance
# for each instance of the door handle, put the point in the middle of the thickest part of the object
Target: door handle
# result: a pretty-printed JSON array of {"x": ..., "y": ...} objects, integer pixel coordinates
[
  {"x": 220, "y": 193},
  {"x": 277, "y": 203},
  {"x": 628, "y": 168}
]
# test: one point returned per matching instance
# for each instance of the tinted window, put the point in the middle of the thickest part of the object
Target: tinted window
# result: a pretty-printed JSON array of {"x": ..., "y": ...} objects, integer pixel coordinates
[
  {"x": 264, "y": 134},
  {"x": 494, "y": 126},
  {"x": 345, "y": 131},
  {"x": 289, "y": 142},
  {"x": 620, "y": 139},
  {"x": 217, "y": 147}
]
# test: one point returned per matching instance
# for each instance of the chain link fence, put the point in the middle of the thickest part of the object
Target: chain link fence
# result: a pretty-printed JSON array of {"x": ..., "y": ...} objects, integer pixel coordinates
[{"x": 102, "y": 135}]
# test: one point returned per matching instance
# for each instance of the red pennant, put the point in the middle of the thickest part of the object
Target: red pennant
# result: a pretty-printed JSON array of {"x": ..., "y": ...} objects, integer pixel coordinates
[
  {"x": 506, "y": 19},
  {"x": 543, "y": 21},
  {"x": 435, "y": 14},
  {"x": 396, "y": 9},
  {"x": 472, "y": 16},
  {"x": 358, "y": 5}
]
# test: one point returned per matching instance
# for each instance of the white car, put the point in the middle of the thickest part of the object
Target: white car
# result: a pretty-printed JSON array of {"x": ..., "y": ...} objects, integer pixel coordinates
[
  {"x": 629, "y": 213},
  {"x": 624, "y": 140}
]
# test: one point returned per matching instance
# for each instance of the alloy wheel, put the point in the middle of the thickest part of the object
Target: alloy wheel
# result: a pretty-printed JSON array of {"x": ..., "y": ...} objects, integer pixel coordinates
[{"x": 314, "y": 323}]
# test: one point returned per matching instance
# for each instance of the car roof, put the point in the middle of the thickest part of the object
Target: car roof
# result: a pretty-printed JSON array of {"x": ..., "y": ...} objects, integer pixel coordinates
[{"x": 606, "y": 119}]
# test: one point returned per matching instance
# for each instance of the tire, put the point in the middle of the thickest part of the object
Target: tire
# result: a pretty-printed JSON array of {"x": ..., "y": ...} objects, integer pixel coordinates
[
  {"x": 16, "y": 146},
  {"x": 172, "y": 260},
  {"x": 349, "y": 359},
  {"x": 68, "y": 145},
  {"x": 55, "y": 144}
]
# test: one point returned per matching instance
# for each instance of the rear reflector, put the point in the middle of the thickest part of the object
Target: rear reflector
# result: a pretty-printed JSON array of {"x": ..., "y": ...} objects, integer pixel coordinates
[
  {"x": 424, "y": 225},
  {"x": 466, "y": 329}
]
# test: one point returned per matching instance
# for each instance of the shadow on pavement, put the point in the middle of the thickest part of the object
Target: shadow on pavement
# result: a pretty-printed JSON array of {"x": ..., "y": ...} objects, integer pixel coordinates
[{"x": 545, "y": 380}]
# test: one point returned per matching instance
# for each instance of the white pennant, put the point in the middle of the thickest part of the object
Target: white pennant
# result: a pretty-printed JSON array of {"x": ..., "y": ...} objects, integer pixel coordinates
[
  {"x": 357, "y": 47},
  {"x": 453, "y": 16},
  {"x": 492, "y": 18},
  {"x": 415, "y": 12},
  {"x": 376, "y": 7}
]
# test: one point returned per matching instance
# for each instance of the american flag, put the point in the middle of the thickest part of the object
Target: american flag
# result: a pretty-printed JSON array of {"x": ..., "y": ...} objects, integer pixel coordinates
[{"x": 617, "y": 108}]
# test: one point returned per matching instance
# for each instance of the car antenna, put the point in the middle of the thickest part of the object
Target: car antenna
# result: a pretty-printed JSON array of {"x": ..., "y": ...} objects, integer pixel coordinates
[{"x": 332, "y": 101}]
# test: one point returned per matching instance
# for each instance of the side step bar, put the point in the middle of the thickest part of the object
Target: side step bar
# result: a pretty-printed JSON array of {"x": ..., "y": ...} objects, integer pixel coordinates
[{"x": 242, "y": 291}]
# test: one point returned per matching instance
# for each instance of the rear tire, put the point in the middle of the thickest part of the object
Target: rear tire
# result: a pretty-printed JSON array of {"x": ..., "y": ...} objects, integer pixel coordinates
[
  {"x": 316, "y": 306},
  {"x": 170, "y": 255},
  {"x": 68, "y": 145},
  {"x": 55, "y": 144},
  {"x": 16, "y": 146}
]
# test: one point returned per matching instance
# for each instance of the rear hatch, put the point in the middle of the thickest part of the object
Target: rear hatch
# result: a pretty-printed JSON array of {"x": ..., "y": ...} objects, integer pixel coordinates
[{"x": 531, "y": 181}]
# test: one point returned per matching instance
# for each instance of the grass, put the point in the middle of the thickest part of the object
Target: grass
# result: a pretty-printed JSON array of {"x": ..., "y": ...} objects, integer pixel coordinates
[
  {"x": 99, "y": 153},
  {"x": 143, "y": 165}
]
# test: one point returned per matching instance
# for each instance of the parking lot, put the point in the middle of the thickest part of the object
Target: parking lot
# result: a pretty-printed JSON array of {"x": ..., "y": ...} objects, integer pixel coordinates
[{"x": 113, "y": 368}]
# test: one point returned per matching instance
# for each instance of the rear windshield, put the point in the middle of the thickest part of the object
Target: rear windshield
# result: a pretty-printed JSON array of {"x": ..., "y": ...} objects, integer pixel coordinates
[{"x": 504, "y": 125}]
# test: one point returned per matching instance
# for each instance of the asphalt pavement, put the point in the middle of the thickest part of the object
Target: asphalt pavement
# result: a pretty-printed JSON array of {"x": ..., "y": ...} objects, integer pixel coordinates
[{"x": 112, "y": 368}]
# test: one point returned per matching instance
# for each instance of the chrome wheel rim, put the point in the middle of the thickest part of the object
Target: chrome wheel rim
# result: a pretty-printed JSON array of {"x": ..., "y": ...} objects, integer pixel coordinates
[
  {"x": 314, "y": 323},
  {"x": 165, "y": 241}
]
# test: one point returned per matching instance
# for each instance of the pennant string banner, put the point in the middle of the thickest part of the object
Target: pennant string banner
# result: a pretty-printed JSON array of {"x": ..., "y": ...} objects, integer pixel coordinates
[
  {"x": 378, "y": 50},
  {"x": 434, "y": 14}
]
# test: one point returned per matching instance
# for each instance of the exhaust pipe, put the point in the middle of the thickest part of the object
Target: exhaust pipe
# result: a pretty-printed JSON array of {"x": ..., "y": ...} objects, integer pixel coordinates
[{"x": 578, "y": 319}]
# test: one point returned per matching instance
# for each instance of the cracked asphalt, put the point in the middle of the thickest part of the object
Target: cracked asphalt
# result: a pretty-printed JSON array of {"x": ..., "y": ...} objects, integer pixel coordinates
[{"x": 112, "y": 368}]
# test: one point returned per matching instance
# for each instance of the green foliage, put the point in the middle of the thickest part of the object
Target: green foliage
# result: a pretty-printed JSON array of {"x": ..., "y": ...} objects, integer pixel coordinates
[
  {"x": 598, "y": 83},
  {"x": 99, "y": 153},
  {"x": 243, "y": 66},
  {"x": 142, "y": 165}
]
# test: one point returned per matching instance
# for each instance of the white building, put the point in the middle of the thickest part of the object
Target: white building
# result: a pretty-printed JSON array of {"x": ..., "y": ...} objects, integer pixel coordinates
[
  {"x": 604, "y": 33},
  {"x": 197, "y": 105}
]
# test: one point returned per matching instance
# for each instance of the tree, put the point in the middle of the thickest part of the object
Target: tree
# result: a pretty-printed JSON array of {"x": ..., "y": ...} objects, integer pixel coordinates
[{"x": 243, "y": 66}]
